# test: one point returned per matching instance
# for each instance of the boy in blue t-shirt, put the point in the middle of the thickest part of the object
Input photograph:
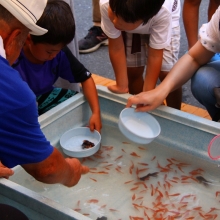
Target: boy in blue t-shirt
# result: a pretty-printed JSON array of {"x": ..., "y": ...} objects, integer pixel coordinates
[{"x": 45, "y": 58}]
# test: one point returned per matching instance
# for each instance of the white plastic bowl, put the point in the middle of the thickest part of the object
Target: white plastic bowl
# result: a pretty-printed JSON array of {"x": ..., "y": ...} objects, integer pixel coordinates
[
  {"x": 72, "y": 140},
  {"x": 139, "y": 127}
]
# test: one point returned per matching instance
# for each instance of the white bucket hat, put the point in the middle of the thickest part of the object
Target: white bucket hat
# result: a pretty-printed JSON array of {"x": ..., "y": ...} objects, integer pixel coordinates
[{"x": 27, "y": 12}]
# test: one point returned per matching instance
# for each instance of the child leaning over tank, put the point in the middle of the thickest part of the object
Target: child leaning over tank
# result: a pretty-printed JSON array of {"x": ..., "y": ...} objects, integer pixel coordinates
[
  {"x": 45, "y": 58},
  {"x": 142, "y": 33}
]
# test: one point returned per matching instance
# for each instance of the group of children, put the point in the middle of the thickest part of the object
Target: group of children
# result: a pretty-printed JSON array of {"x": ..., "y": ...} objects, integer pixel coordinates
[{"x": 143, "y": 35}]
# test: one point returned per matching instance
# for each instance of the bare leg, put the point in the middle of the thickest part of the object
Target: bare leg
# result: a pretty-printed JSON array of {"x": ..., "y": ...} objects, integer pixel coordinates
[
  {"x": 174, "y": 99},
  {"x": 213, "y": 5},
  {"x": 190, "y": 20},
  {"x": 96, "y": 14},
  {"x": 135, "y": 79}
]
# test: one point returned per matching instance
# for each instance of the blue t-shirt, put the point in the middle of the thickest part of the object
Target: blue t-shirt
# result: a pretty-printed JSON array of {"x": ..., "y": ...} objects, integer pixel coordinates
[
  {"x": 21, "y": 139},
  {"x": 41, "y": 77}
]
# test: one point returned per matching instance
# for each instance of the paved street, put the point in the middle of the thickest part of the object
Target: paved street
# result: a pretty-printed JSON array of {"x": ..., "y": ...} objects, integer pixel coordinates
[{"x": 98, "y": 62}]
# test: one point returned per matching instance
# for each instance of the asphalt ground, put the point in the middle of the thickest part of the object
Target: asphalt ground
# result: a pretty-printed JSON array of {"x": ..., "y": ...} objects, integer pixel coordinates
[{"x": 98, "y": 61}]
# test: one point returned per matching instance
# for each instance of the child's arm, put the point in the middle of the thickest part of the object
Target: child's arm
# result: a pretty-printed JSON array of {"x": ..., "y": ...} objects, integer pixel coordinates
[
  {"x": 78, "y": 73},
  {"x": 153, "y": 69},
  {"x": 118, "y": 60},
  {"x": 181, "y": 72},
  {"x": 90, "y": 92}
]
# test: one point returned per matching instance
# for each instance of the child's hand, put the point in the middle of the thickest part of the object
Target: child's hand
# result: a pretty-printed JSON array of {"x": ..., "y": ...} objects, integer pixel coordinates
[
  {"x": 117, "y": 89},
  {"x": 95, "y": 122}
]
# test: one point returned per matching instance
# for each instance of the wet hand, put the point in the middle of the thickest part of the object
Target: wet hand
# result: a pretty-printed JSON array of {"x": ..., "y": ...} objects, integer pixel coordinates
[
  {"x": 95, "y": 123},
  {"x": 77, "y": 170},
  {"x": 5, "y": 171}
]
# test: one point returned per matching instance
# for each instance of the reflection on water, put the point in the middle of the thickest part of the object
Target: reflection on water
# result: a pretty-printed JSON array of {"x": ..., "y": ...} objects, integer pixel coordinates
[{"x": 127, "y": 180}]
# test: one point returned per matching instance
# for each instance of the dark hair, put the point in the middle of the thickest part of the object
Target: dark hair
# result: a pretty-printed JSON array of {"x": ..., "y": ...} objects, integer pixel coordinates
[
  {"x": 58, "y": 19},
  {"x": 133, "y": 10}
]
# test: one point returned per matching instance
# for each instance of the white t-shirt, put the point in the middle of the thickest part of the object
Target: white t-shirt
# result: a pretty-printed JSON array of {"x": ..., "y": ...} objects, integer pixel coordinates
[
  {"x": 159, "y": 27},
  {"x": 209, "y": 34}
]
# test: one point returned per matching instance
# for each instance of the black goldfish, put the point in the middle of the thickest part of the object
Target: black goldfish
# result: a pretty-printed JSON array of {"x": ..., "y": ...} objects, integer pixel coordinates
[
  {"x": 149, "y": 175},
  {"x": 203, "y": 180}
]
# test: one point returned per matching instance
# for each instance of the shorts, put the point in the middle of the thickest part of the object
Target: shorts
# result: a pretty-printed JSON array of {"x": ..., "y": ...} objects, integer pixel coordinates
[
  {"x": 170, "y": 53},
  {"x": 53, "y": 98}
]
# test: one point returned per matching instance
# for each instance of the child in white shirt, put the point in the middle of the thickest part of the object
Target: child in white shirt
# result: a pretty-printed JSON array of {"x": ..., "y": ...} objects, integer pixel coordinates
[{"x": 142, "y": 33}]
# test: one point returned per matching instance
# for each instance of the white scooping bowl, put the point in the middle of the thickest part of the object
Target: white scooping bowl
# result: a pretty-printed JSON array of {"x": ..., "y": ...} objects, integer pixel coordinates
[
  {"x": 139, "y": 127},
  {"x": 72, "y": 140}
]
